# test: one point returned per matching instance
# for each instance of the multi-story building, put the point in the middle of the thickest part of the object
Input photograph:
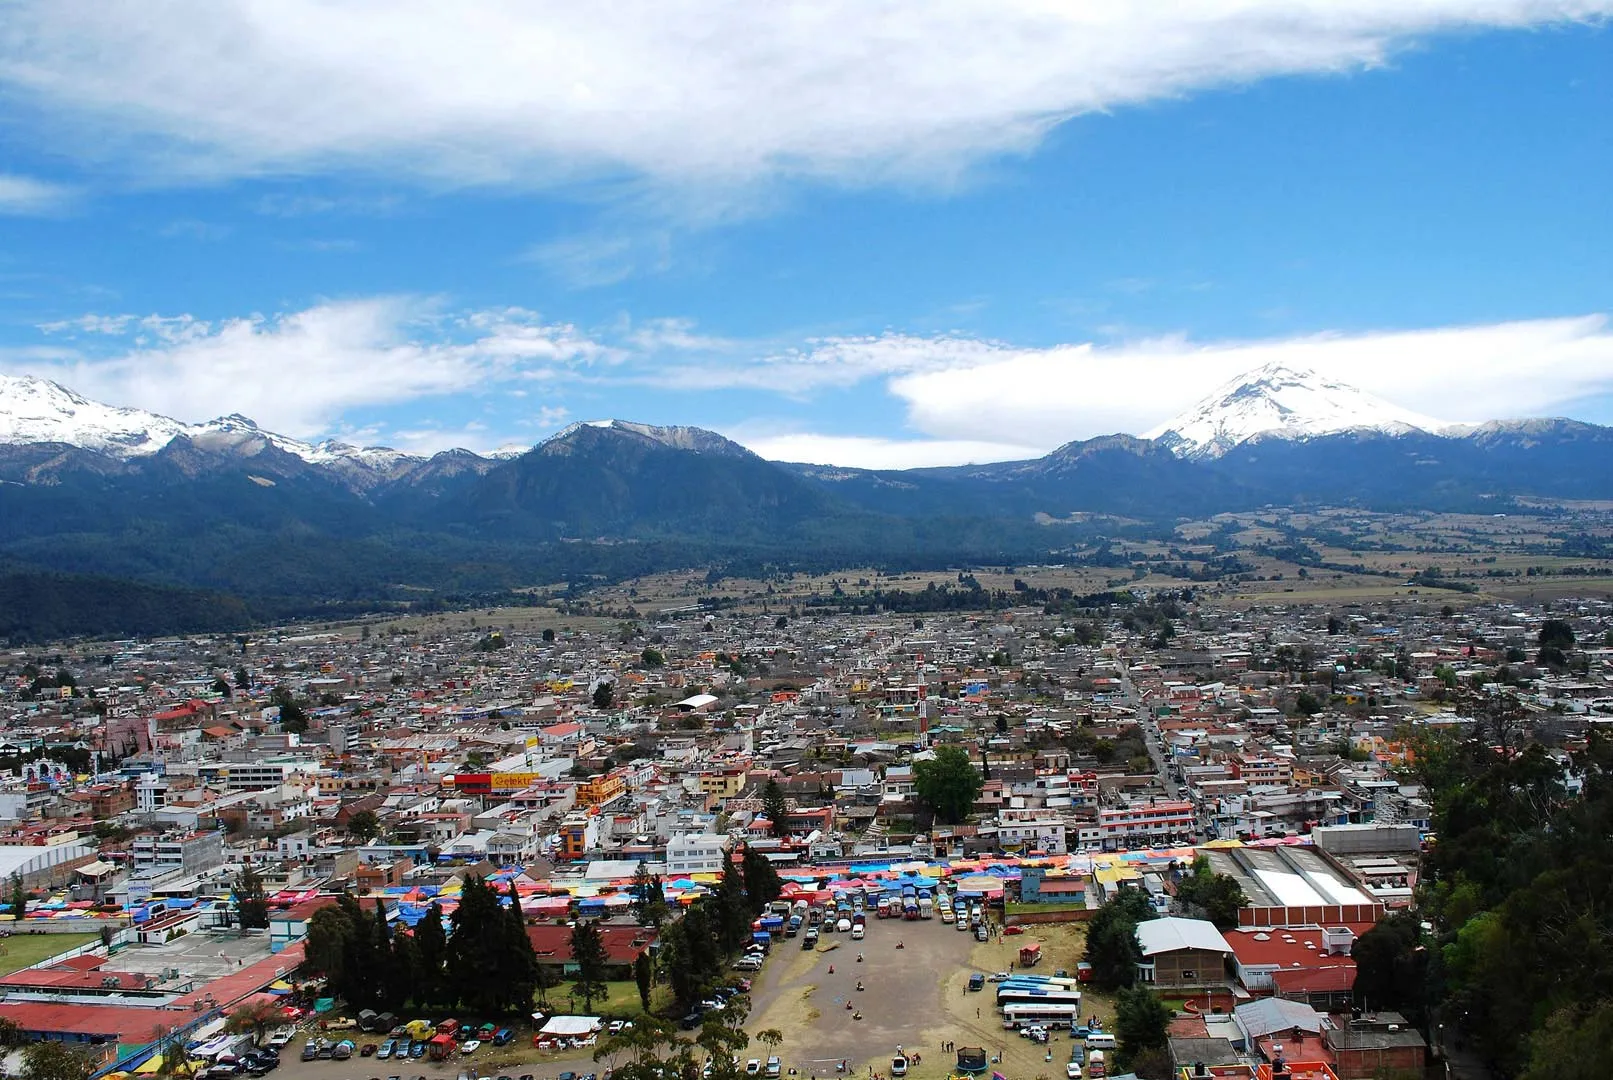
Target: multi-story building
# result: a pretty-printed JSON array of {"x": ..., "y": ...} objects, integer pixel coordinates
[
  {"x": 1161, "y": 821},
  {"x": 1031, "y": 829},
  {"x": 696, "y": 853},
  {"x": 600, "y": 789},
  {"x": 188, "y": 853}
]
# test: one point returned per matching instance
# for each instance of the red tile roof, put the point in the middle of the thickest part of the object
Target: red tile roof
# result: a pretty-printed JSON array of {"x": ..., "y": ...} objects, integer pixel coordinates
[{"x": 553, "y": 943}]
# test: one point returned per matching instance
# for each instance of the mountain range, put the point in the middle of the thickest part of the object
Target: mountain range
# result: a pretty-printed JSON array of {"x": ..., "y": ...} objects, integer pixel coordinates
[{"x": 93, "y": 489}]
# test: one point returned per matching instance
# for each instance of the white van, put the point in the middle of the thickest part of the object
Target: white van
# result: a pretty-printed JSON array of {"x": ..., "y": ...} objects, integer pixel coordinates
[
  {"x": 857, "y": 932},
  {"x": 1100, "y": 1040}
]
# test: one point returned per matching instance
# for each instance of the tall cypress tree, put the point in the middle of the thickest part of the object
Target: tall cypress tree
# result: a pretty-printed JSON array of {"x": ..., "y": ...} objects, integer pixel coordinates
[
  {"x": 588, "y": 953},
  {"x": 431, "y": 951},
  {"x": 521, "y": 980}
]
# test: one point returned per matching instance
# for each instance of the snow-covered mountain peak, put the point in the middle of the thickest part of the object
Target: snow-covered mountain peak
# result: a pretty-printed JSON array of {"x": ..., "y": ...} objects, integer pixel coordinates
[
  {"x": 1277, "y": 401},
  {"x": 34, "y": 410},
  {"x": 676, "y": 437}
]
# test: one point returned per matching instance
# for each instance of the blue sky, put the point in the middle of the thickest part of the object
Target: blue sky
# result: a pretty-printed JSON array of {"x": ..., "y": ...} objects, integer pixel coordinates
[{"x": 875, "y": 236}]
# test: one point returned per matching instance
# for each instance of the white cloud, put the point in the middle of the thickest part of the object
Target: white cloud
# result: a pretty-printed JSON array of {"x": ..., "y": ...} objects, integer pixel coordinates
[
  {"x": 714, "y": 93},
  {"x": 1048, "y": 396},
  {"x": 23, "y": 195},
  {"x": 866, "y": 452},
  {"x": 298, "y": 373},
  {"x": 832, "y": 362}
]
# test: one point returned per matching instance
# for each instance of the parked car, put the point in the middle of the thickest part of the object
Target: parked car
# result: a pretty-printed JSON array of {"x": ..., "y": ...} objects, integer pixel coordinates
[
  {"x": 1000, "y": 976},
  {"x": 773, "y": 1068},
  {"x": 977, "y": 981},
  {"x": 1072, "y": 1071},
  {"x": 753, "y": 1067},
  {"x": 367, "y": 1050},
  {"x": 309, "y": 1051},
  {"x": 470, "y": 1046},
  {"x": 386, "y": 1050}
]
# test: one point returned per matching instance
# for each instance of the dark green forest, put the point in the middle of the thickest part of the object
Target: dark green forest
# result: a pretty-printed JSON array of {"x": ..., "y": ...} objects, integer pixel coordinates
[{"x": 1510, "y": 954}]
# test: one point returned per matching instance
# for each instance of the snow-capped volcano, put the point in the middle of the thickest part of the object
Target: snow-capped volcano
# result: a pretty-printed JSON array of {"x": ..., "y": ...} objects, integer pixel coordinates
[
  {"x": 34, "y": 410},
  {"x": 1277, "y": 402},
  {"x": 40, "y": 411}
]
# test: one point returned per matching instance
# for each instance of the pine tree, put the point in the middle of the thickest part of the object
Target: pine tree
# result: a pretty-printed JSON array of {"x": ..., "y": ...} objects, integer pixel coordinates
[
  {"x": 641, "y": 893},
  {"x": 477, "y": 949},
  {"x": 656, "y": 910},
  {"x": 642, "y": 975},
  {"x": 762, "y": 883},
  {"x": 19, "y": 898},
  {"x": 251, "y": 904},
  {"x": 588, "y": 953},
  {"x": 402, "y": 972},
  {"x": 521, "y": 978},
  {"x": 430, "y": 953},
  {"x": 731, "y": 915},
  {"x": 775, "y": 807}
]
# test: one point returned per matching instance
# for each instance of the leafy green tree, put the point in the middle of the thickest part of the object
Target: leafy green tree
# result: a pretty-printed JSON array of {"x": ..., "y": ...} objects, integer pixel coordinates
[
  {"x": 1391, "y": 966},
  {"x": 364, "y": 825},
  {"x": 1218, "y": 895},
  {"x": 251, "y": 903},
  {"x": 652, "y": 1049},
  {"x": 1574, "y": 1044},
  {"x": 604, "y": 695},
  {"x": 50, "y": 1059},
  {"x": 255, "y": 1018},
  {"x": 293, "y": 717},
  {"x": 1112, "y": 947},
  {"x": 649, "y": 899},
  {"x": 652, "y": 657},
  {"x": 588, "y": 953},
  {"x": 548, "y": 634},
  {"x": 948, "y": 784},
  {"x": 325, "y": 949},
  {"x": 243, "y": 681},
  {"x": 774, "y": 807},
  {"x": 1141, "y": 1023},
  {"x": 643, "y": 972}
]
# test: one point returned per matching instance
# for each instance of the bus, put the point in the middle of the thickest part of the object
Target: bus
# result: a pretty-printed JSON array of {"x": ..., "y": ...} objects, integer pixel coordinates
[
  {"x": 1046, "y": 1014},
  {"x": 1007, "y": 995},
  {"x": 1050, "y": 982}
]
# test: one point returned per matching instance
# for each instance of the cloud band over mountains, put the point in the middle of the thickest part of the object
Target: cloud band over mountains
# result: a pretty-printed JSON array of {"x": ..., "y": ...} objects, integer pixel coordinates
[{"x": 334, "y": 368}]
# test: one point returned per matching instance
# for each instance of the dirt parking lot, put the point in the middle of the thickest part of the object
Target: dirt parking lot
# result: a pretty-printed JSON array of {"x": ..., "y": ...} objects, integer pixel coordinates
[
  {"x": 901, "y": 1004},
  {"x": 916, "y": 997}
]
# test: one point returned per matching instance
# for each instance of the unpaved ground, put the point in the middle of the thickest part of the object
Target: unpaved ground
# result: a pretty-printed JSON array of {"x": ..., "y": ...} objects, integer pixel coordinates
[
  {"x": 901, "y": 1004},
  {"x": 915, "y": 997}
]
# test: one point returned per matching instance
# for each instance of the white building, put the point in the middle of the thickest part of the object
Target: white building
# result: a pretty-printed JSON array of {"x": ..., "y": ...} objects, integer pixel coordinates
[{"x": 696, "y": 853}]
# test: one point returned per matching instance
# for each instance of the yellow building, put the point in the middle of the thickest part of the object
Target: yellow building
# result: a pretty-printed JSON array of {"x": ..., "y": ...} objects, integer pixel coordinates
[
  {"x": 600, "y": 789},
  {"x": 722, "y": 785}
]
